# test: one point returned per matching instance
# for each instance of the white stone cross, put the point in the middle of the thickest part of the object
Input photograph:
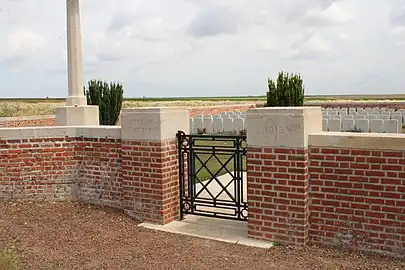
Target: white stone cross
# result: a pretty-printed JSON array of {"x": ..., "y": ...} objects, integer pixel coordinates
[{"x": 76, "y": 112}]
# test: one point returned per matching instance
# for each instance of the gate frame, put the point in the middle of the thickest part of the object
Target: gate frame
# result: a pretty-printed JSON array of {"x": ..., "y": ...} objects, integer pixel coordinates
[{"x": 186, "y": 145}]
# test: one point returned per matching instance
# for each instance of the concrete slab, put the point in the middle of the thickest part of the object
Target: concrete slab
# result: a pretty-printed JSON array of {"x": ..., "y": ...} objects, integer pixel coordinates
[{"x": 223, "y": 230}]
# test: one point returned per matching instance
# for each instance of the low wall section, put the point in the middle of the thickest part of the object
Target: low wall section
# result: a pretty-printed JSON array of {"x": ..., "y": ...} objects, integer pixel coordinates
[{"x": 304, "y": 185}]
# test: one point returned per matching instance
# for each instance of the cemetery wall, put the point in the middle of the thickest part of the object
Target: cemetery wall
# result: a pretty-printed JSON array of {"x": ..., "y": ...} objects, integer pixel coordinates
[
  {"x": 336, "y": 188},
  {"x": 357, "y": 190},
  {"x": 66, "y": 163}
]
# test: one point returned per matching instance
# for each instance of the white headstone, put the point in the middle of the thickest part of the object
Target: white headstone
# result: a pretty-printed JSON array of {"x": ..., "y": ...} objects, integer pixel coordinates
[
  {"x": 376, "y": 126},
  {"x": 325, "y": 124},
  {"x": 391, "y": 126},
  {"x": 218, "y": 125},
  {"x": 238, "y": 124},
  {"x": 347, "y": 125},
  {"x": 228, "y": 124},
  {"x": 347, "y": 116},
  {"x": 360, "y": 116},
  {"x": 208, "y": 125},
  {"x": 198, "y": 124},
  {"x": 371, "y": 117},
  {"x": 335, "y": 125},
  {"x": 192, "y": 126},
  {"x": 385, "y": 116},
  {"x": 362, "y": 124}
]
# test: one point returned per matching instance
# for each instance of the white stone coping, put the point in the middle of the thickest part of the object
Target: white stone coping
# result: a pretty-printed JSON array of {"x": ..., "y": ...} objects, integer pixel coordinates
[
  {"x": 27, "y": 118},
  {"x": 372, "y": 141},
  {"x": 105, "y": 132}
]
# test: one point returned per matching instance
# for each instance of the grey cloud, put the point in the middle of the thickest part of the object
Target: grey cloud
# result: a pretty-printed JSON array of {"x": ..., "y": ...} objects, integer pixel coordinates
[
  {"x": 14, "y": 61},
  {"x": 301, "y": 13},
  {"x": 120, "y": 21},
  {"x": 108, "y": 57},
  {"x": 214, "y": 21},
  {"x": 397, "y": 16}
]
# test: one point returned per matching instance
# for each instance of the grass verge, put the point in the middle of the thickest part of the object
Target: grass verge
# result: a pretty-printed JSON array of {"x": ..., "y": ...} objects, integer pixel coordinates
[
  {"x": 8, "y": 260},
  {"x": 215, "y": 163}
]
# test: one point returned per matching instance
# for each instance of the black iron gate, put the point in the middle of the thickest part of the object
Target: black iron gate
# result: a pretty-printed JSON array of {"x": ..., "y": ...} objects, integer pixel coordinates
[{"x": 212, "y": 178}]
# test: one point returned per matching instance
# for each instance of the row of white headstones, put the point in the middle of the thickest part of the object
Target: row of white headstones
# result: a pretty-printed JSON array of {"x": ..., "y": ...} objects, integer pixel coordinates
[
  {"x": 376, "y": 120},
  {"x": 225, "y": 122}
]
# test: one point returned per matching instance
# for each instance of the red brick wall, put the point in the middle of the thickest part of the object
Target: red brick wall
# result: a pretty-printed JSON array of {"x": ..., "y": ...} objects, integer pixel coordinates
[
  {"x": 38, "y": 168},
  {"x": 358, "y": 198},
  {"x": 278, "y": 194},
  {"x": 100, "y": 171},
  {"x": 150, "y": 180},
  {"x": 13, "y": 122}
]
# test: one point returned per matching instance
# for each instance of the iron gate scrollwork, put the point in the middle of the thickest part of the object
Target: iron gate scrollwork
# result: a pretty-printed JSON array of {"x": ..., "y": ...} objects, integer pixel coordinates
[{"x": 212, "y": 175}]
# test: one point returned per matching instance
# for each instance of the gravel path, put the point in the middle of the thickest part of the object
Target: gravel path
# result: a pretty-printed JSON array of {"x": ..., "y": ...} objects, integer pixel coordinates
[{"x": 77, "y": 236}]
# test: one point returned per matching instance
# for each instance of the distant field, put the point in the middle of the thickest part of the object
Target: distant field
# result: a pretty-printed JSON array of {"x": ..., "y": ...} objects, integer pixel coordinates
[
  {"x": 230, "y": 98},
  {"x": 10, "y": 107}
]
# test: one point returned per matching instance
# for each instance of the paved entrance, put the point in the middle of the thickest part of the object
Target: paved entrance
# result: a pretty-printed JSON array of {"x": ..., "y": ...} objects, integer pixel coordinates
[
  {"x": 212, "y": 175},
  {"x": 230, "y": 231}
]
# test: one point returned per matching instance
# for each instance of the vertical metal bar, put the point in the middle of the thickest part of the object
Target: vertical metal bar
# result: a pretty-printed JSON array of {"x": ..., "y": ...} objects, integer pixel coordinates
[
  {"x": 238, "y": 176},
  {"x": 181, "y": 169},
  {"x": 191, "y": 184}
]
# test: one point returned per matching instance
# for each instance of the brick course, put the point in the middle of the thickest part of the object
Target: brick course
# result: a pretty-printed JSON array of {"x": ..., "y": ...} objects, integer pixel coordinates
[
  {"x": 100, "y": 180},
  {"x": 358, "y": 198},
  {"x": 150, "y": 180},
  {"x": 278, "y": 194},
  {"x": 38, "y": 168}
]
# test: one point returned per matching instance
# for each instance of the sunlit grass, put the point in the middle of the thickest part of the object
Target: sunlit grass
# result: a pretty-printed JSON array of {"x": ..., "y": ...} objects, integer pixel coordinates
[{"x": 8, "y": 260}]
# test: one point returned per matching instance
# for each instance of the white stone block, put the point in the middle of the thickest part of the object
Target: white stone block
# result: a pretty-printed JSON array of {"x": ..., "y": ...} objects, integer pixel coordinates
[
  {"x": 371, "y": 117},
  {"x": 154, "y": 124},
  {"x": 283, "y": 126},
  {"x": 358, "y": 117},
  {"x": 376, "y": 126},
  {"x": 77, "y": 116}
]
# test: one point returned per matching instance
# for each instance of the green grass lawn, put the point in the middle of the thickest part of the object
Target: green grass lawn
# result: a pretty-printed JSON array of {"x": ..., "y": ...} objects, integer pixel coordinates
[{"x": 214, "y": 163}]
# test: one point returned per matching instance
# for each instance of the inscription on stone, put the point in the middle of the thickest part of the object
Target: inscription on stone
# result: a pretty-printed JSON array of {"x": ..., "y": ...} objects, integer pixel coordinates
[
  {"x": 277, "y": 129},
  {"x": 277, "y": 132},
  {"x": 145, "y": 126}
]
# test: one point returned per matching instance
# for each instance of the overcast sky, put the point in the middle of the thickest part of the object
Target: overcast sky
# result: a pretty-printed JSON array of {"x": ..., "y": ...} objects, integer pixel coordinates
[{"x": 206, "y": 47}]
